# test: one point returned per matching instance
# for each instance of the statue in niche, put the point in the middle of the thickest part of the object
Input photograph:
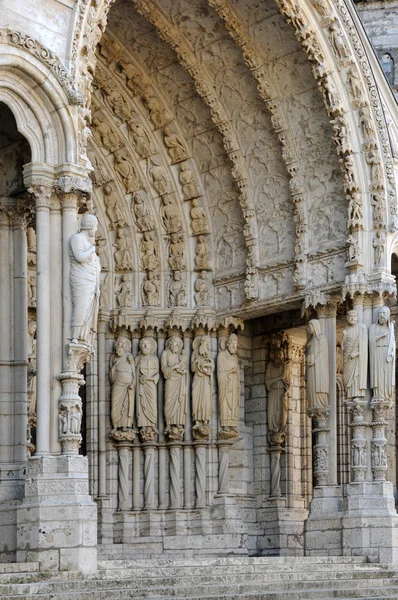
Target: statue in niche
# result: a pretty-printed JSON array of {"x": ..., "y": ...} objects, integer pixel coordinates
[
  {"x": 123, "y": 257},
  {"x": 105, "y": 133},
  {"x": 338, "y": 43},
  {"x": 354, "y": 209},
  {"x": 117, "y": 104},
  {"x": 355, "y": 83},
  {"x": 141, "y": 212},
  {"x": 174, "y": 146},
  {"x": 99, "y": 176},
  {"x": 149, "y": 253},
  {"x": 102, "y": 254},
  {"x": 228, "y": 386},
  {"x": 140, "y": 139},
  {"x": 177, "y": 290},
  {"x": 355, "y": 357},
  {"x": 85, "y": 269},
  {"x": 150, "y": 290},
  {"x": 379, "y": 242},
  {"x": 176, "y": 253},
  {"x": 188, "y": 183},
  {"x": 75, "y": 419},
  {"x": 158, "y": 178},
  {"x": 113, "y": 209},
  {"x": 365, "y": 120},
  {"x": 124, "y": 293},
  {"x": 170, "y": 215},
  {"x": 147, "y": 373},
  {"x": 127, "y": 172},
  {"x": 323, "y": 7},
  {"x": 202, "y": 289},
  {"x": 202, "y": 366},
  {"x": 379, "y": 214},
  {"x": 122, "y": 378},
  {"x": 202, "y": 259},
  {"x": 382, "y": 356},
  {"x": 134, "y": 80},
  {"x": 174, "y": 369},
  {"x": 32, "y": 372},
  {"x": 277, "y": 381},
  {"x": 354, "y": 250},
  {"x": 157, "y": 114},
  {"x": 31, "y": 283},
  {"x": 199, "y": 222},
  {"x": 317, "y": 368}
]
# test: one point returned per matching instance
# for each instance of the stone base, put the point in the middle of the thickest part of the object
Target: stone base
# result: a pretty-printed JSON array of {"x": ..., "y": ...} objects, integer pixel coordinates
[
  {"x": 11, "y": 494},
  {"x": 283, "y": 529},
  {"x": 323, "y": 529},
  {"x": 57, "y": 520},
  {"x": 370, "y": 522}
]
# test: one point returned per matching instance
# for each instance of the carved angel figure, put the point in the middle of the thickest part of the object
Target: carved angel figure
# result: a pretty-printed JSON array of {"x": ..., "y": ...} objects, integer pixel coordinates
[
  {"x": 122, "y": 377},
  {"x": 157, "y": 114},
  {"x": 105, "y": 133},
  {"x": 140, "y": 139},
  {"x": 174, "y": 369},
  {"x": 133, "y": 79},
  {"x": 202, "y": 366},
  {"x": 123, "y": 257},
  {"x": 127, "y": 172},
  {"x": 117, "y": 104},
  {"x": 228, "y": 386},
  {"x": 174, "y": 146},
  {"x": 188, "y": 183},
  {"x": 147, "y": 373},
  {"x": 382, "y": 356}
]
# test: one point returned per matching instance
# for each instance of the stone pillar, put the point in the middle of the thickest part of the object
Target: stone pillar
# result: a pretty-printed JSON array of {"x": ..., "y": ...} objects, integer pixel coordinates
[
  {"x": 188, "y": 449},
  {"x": 149, "y": 475},
  {"x": 54, "y": 481},
  {"x": 103, "y": 322},
  {"x": 175, "y": 466},
  {"x": 162, "y": 449},
  {"x": 331, "y": 311}
]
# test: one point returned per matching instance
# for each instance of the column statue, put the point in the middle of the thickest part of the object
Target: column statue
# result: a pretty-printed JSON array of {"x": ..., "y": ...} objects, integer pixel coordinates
[
  {"x": 228, "y": 386},
  {"x": 147, "y": 372},
  {"x": 355, "y": 357},
  {"x": 174, "y": 369},
  {"x": 202, "y": 366},
  {"x": 277, "y": 381},
  {"x": 382, "y": 356},
  {"x": 122, "y": 377},
  {"x": 85, "y": 272},
  {"x": 317, "y": 368}
]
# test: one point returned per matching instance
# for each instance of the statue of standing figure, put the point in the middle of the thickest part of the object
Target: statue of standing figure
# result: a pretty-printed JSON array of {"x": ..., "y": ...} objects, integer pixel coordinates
[
  {"x": 382, "y": 356},
  {"x": 277, "y": 381},
  {"x": 355, "y": 357},
  {"x": 174, "y": 369},
  {"x": 202, "y": 366},
  {"x": 85, "y": 269},
  {"x": 147, "y": 372},
  {"x": 122, "y": 377},
  {"x": 228, "y": 386},
  {"x": 317, "y": 368}
]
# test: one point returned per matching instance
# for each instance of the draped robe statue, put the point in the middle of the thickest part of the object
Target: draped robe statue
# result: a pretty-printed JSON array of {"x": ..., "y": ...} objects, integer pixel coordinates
[
  {"x": 174, "y": 369},
  {"x": 317, "y": 368},
  {"x": 355, "y": 357},
  {"x": 228, "y": 386},
  {"x": 382, "y": 356},
  {"x": 122, "y": 377},
  {"x": 277, "y": 383},
  {"x": 147, "y": 373},
  {"x": 202, "y": 366},
  {"x": 85, "y": 269}
]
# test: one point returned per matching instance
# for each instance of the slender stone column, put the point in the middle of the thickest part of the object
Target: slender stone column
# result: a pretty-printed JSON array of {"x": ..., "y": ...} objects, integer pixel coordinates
[
  {"x": 149, "y": 475},
  {"x": 124, "y": 454},
  {"x": 188, "y": 500},
  {"x": 331, "y": 310},
  {"x": 136, "y": 477},
  {"x": 5, "y": 340},
  {"x": 200, "y": 469},
  {"x": 162, "y": 446},
  {"x": 42, "y": 194},
  {"x": 175, "y": 465},
  {"x": 223, "y": 466},
  {"x": 101, "y": 338}
]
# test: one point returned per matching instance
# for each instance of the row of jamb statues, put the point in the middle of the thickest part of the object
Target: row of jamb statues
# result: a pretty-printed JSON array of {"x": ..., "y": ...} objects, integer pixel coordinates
[
  {"x": 135, "y": 380},
  {"x": 380, "y": 341}
]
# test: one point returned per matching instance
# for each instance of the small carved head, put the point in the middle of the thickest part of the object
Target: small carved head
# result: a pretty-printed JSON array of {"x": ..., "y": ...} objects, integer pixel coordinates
[
  {"x": 383, "y": 315},
  {"x": 352, "y": 317},
  {"x": 232, "y": 343}
]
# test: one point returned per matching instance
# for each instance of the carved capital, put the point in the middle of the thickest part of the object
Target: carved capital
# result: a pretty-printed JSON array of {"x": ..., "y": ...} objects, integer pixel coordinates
[{"x": 41, "y": 195}]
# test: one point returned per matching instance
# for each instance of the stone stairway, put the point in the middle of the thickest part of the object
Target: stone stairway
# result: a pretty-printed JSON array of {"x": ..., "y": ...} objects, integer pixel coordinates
[{"x": 207, "y": 578}]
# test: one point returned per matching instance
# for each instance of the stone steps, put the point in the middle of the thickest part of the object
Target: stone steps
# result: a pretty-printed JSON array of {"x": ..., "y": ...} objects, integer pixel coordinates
[{"x": 267, "y": 578}]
